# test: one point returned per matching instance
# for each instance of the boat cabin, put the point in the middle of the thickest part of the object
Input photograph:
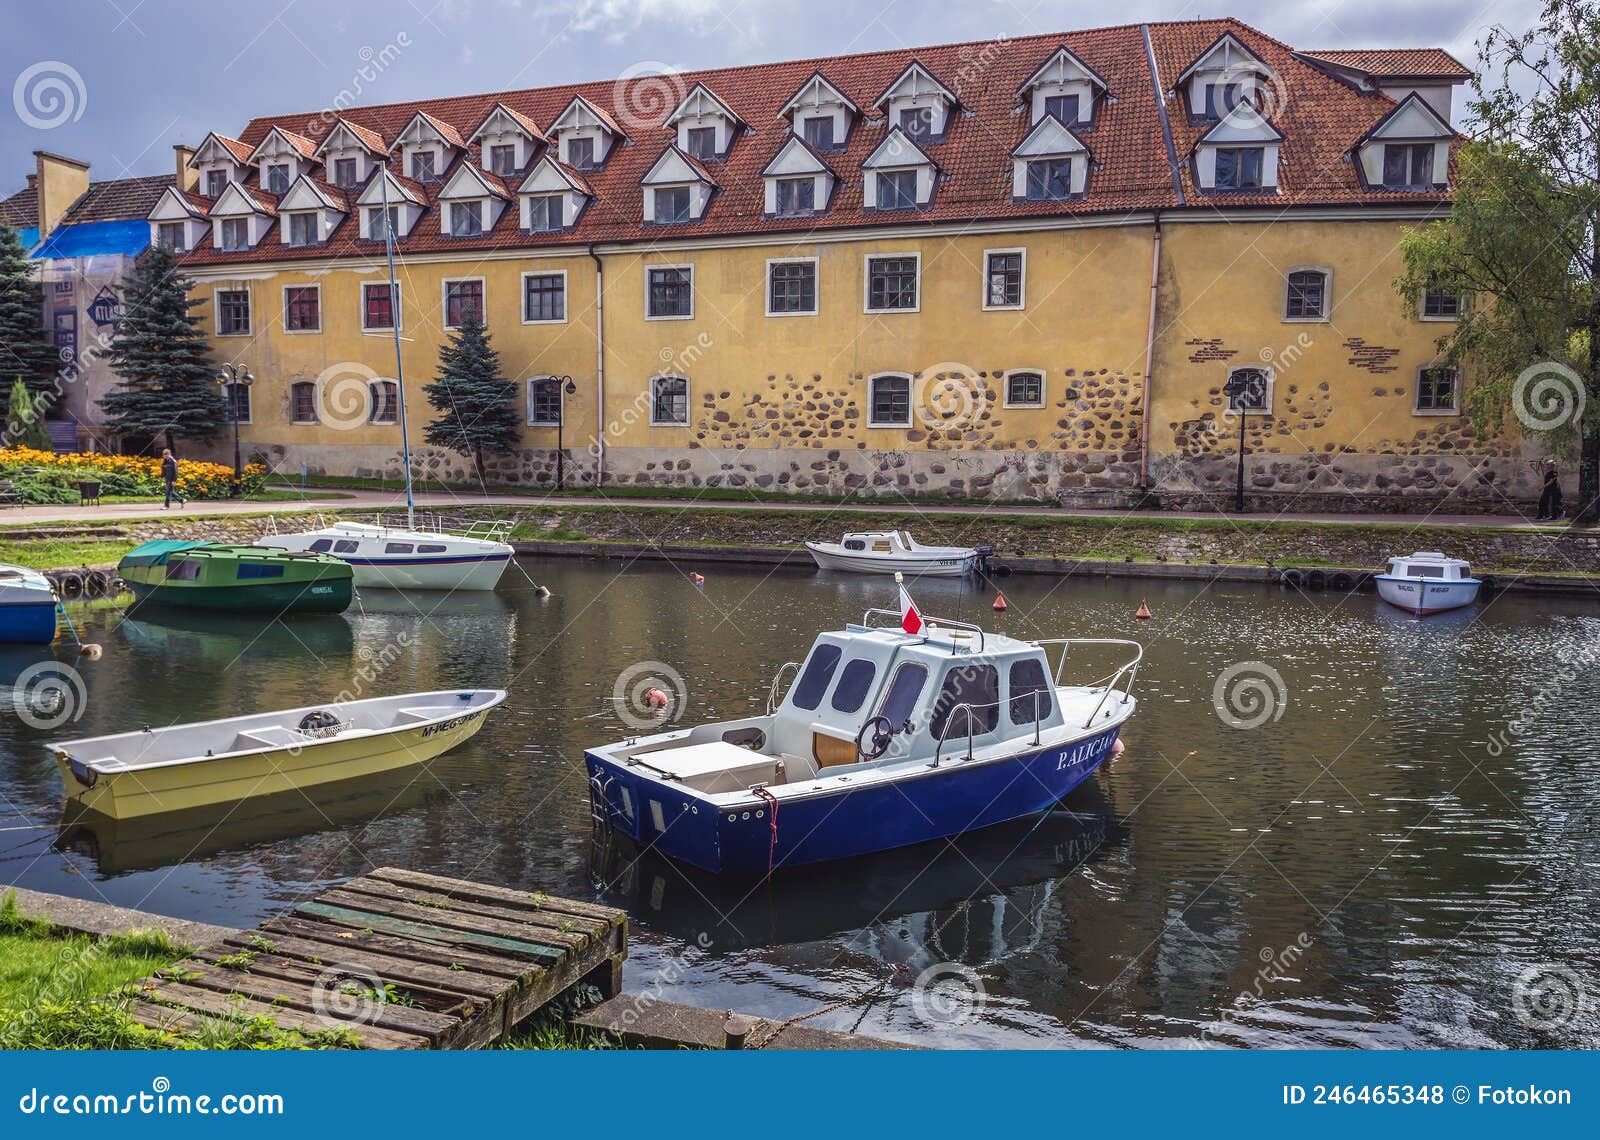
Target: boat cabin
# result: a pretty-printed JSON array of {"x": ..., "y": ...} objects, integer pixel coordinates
[
  {"x": 881, "y": 542},
  {"x": 1430, "y": 564}
]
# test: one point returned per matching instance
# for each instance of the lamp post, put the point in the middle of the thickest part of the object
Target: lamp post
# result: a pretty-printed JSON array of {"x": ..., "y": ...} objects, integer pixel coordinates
[
  {"x": 567, "y": 388},
  {"x": 1245, "y": 390},
  {"x": 229, "y": 376}
]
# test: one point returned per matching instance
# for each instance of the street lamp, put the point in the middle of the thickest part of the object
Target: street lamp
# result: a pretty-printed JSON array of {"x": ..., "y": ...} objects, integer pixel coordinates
[
  {"x": 230, "y": 376},
  {"x": 1246, "y": 390},
  {"x": 568, "y": 388}
]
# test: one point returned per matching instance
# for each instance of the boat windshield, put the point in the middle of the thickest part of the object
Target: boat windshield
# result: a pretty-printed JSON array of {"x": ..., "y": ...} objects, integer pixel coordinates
[
  {"x": 813, "y": 682},
  {"x": 901, "y": 699},
  {"x": 1424, "y": 570}
]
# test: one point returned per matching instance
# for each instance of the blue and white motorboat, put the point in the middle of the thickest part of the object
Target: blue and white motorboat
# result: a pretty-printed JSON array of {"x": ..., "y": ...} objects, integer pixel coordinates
[
  {"x": 886, "y": 738},
  {"x": 1427, "y": 583},
  {"x": 27, "y": 607}
]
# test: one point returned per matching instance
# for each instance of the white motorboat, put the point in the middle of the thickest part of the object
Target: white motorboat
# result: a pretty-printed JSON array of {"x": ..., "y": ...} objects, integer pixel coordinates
[
  {"x": 893, "y": 552},
  {"x": 226, "y": 761},
  {"x": 1427, "y": 583},
  {"x": 409, "y": 557}
]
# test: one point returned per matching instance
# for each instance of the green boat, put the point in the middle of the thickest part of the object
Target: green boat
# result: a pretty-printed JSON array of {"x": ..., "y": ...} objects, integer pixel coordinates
[{"x": 236, "y": 578}]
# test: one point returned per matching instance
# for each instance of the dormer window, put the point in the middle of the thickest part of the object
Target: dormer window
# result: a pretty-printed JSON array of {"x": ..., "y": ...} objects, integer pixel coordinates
[
  {"x": 706, "y": 125},
  {"x": 239, "y": 219},
  {"x": 1408, "y": 149},
  {"x": 422, "y": 166},
  {"x": 346, "y": 173},
  {"x": 580, "y": 154},
  {"x": 1063, "y": 88},
  {"x": 427, "y": 145},
  {"x": 671, "y": 205},
  {"x": 171, "y": 235},
  {"x": 235, "y": 234},
  {"x": 302, "y": 229},
  {"x": 897, "y": 190},
  {"x": 677, "y": 189},
  {"x": 797, "y": 180},
  {"x": 220, "y": 160},
  {"x": 919, "y": 105},
  {"x": 502, "y": 159},
  {"x": 1408, "y": 166},
  {"x": 1051, "y": 164},
  {"x": 470, "y": 203},
  {"x": 584, "y": 135},
  {"x": 1225, "y": 76},
  {"x": 552, "y": 196},
  {"x": 307, "y": 215},
  {"x": 381, "y": 222},
  {"x": 1049, "y": 179},
  {"x": 403, "y": 208},
  {"x": 544, "y": 212},
  {"x": 349, "y": 152},
  {"x": 1239, "y": 153},
  {"x": 796, "y": 196},
  {"x": 282, "y": 156},
  {"x": 1239, "y": 167},
  {"x": 216, "y": 183},
  {"x": 818, "y": 131},
  {"x": 175, "y": 221},
  {"x": 277, "y": 178},
  {"x": 820, "y": 113},
  {"x": 466, "y": 219},
  {"x": 898, "y": 175},
  {"x": 507, "y": 140}
]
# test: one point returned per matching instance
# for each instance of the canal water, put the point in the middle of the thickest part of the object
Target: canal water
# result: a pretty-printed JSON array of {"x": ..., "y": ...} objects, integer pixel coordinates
[{"x": 1333, "y": 825}]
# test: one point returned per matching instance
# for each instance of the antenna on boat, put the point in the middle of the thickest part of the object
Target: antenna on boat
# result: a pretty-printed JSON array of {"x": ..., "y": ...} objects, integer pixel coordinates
[{"x": 399, "y": 367}]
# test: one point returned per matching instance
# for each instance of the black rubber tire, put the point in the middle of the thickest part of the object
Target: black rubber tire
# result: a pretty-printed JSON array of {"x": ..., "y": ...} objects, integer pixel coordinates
[
  {"x": 1490, "y": 583},
  {"x": 70, "y": 584},
  {"x": 1316, "y": 580},
  {"x": 95, "y": 583},
  {"x": 1340, "y": 580},
  {"x": 1292, "y": 578}
]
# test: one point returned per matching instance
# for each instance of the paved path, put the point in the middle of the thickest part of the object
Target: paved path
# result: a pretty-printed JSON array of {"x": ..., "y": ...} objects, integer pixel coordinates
[{"x": 394, "y": 500}]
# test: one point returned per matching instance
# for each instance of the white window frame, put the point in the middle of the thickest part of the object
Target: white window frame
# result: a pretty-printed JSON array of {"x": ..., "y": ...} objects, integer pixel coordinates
[
  {"x": 816, "y": 282},
  {"x": 1022, "y": 291},
  {"x": 216, "y": 310},
  {"x": 648, "y": 269},
  {"x": 561, "y": 394},
  {"x": 399, "y": 317},
  {"x": 1416, "y": 390},
  {"x": 911, "y": 395},
  {"x": 444, "y": 299},
  {"x": 287, "y": 331},
  {"x": 522, "y": 296},
  {"x": 1272, "y": 385},
  {"x": 1327, "y": 295},
  {"x": 866, "y": 286},
  {"x": 1044, "y": 384},
  {"x": 688, "y": 394}
]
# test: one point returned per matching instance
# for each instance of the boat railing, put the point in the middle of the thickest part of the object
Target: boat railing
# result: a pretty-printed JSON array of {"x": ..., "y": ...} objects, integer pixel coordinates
[
  {"x": 967, "y": 708},
  {"x": 774, "y": 696},
  {"x": 1124, "y": 675},
  {"x": 458, "y": 526},
  {"x": 928, "y": 621}
]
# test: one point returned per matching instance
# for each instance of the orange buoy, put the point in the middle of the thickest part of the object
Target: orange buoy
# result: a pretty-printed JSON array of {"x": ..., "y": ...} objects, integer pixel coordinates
[
  {"x": 1117, "y": 747},
  {"x": 655, "y": 699},
  {"x": 1143, "y": 611},
  {"x": 999, "y": 603}
]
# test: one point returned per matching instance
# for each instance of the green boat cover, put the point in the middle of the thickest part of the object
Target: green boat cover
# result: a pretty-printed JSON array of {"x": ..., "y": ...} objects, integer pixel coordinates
[{"x": 156, "y": 553}]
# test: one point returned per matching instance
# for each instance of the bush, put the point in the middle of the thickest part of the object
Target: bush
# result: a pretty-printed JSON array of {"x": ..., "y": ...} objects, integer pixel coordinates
[{"x": 46, "y": 487}]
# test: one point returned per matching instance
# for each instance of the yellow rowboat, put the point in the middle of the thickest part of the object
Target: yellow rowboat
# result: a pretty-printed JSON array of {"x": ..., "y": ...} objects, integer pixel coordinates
[{"x": 226, "y": 761}]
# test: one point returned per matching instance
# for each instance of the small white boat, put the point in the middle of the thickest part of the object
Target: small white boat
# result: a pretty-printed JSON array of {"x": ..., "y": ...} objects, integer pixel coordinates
[
  {"x": 407, "y": 557},
  {"x": 27, "y": 606},
  {"x": 893, "y": 552},
  {"x": 225, "y": 761},
  {"x": 1427, "y": 583}
]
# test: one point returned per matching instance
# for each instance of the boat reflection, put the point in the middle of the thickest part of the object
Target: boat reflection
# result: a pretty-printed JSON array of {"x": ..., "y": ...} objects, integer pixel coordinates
[
  {"x": 154, "y": 842},
  {"x": 999, "y": 879},
  {"x": 217, "y": 639}
]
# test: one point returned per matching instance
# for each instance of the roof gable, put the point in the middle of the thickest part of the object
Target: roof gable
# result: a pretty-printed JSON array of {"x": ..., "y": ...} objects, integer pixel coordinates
[
  {"x": 503, "y": 120},
  {"x": 235, "y": 200},
  {"x": 1050, "y": 136},
  {"x": 551, "y": 177},
  {"x": 215, "y": 146},
  {"x": 701, "y": 100},
  {"x": 795, "y": 156},
  {"x": 470, "y": 182},
  {"x": 305, "y": 194},
  {"x": 676, "y": 167},
  {"x": 372, "y": 194},
  {"x": 173, "y": 206},
  {"x": 279, "y": 141},
  {"x": 1062, "y": 67},
  {"x": 424, "y": 128},
  {"x": 1242, "y": 124},
  {"x": 915, "y": 80},
  {"x": 896, "y": 150},
  {"x": 1227, "y": 53},
  {"x": 346, "y": 134},
  {"x": 579, "y": 112},
  {"x": 1412, "y": 119},
  {"x": 817, "y": 91}
]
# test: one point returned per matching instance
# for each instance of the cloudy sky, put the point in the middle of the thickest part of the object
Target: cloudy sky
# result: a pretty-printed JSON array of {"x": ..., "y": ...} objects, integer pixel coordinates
[{"x": 117, "y": 82}]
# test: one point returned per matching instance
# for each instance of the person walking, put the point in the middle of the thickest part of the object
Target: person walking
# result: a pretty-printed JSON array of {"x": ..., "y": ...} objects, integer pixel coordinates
[
  {"x": 1550, "y": 508},
  {"x": 169, "y": 476}
]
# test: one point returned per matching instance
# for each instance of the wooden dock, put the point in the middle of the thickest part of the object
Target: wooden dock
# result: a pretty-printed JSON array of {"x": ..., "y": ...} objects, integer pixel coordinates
[{"x": 396, "y": 959}]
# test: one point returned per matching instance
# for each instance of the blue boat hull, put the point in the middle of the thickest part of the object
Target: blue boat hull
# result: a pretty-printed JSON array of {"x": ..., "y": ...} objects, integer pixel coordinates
[
  {"x": 28, "y": 623},
  {"x": 935, "y": 804}
]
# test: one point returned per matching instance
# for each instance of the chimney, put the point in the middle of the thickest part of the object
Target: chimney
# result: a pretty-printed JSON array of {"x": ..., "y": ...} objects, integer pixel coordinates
[
  {"x": 61, "y": 181},
  {"x": 188, "y": 179}
]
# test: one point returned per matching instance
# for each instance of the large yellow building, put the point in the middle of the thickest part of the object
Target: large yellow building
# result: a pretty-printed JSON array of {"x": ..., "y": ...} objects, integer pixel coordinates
[{"x": 1024, "y": 268}]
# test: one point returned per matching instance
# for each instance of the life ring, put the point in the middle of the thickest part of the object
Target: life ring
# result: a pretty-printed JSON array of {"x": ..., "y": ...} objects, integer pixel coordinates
[
  {"x": 70, "y": 584},
  {"x": 1291, "y": 578},
  {"x": 1315, "y": 579},
  {"x": 1341, "y": 580}
]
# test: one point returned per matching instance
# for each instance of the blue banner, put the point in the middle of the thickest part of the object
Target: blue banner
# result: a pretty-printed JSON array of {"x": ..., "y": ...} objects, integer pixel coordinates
[{"x": 776, "y": 1094}]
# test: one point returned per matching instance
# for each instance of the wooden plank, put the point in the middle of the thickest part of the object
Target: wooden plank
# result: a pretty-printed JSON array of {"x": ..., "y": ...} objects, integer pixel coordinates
[
  {"x": 432, "y": 953},
  {"x": 534, "y": 996},
  {"x": 303, "y": 996},
  {"x": 366, "y": 920},
  {"x": 553, "y": 943},
  {"x": 656, "y": 1024},
  {"x": 484, "y": 892},
  {"x": 165, "y": 1018},
  {"x": 202, "y": 1000},
  {"x": 402, "y": 971},
  {"x": 585, "y": 929}
]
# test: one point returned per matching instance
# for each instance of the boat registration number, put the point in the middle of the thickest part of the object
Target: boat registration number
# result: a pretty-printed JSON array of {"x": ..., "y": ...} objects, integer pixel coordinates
[
  {"x": 447, "y": 725},
  {"x": 1083, "y": 753}
]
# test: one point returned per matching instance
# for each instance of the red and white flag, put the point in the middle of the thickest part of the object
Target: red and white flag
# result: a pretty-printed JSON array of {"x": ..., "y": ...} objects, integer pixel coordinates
[{"x": 910, "y": 616}]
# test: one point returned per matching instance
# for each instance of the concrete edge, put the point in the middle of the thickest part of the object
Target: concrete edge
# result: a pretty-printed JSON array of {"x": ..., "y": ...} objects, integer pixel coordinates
[{"x": 98, "y": 919}]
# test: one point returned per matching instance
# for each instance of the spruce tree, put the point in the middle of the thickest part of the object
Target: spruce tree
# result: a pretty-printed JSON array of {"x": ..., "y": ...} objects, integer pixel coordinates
[
  {"x": 168, "y": 384},
  {"x": 25, "y": 419},
  {"x": 476, "y": 403},
  {"x": 25, "y": 350}
]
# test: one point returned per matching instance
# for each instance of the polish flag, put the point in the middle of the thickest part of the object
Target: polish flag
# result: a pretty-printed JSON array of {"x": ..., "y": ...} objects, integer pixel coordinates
[{"x": 910, "y": 616}]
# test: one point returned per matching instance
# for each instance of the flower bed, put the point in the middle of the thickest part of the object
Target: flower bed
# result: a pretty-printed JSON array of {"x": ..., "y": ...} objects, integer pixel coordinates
[{"x": 46, "y": 477}]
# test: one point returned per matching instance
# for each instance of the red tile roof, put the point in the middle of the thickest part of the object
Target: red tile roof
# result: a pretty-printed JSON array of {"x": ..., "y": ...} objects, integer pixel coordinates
[
  {"x": 21, "y": 210},
  {"x": 1320, "y": 117},
  {"x": 1398, "y": 63},
  {"x": 240, "y": 150}
]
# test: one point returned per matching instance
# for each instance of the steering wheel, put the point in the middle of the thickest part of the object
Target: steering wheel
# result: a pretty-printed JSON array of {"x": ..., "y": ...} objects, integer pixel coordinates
[{"x": 882, "y": 735}]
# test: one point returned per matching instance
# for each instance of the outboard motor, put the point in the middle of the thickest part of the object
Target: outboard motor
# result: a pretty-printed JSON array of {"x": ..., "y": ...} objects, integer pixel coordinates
[{"x": 986, "y": 565}]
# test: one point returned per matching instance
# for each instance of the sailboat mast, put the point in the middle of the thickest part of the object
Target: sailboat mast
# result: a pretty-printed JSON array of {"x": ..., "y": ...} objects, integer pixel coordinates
[{"x": 399, "y": 367}]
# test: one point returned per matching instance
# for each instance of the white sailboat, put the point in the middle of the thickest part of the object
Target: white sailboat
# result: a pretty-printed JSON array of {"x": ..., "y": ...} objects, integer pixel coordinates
[{"x": 408, "y": 557}]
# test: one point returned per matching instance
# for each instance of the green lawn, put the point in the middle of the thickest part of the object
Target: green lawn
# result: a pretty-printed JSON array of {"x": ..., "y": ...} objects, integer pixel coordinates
[{"x": 53, "y": 553}]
